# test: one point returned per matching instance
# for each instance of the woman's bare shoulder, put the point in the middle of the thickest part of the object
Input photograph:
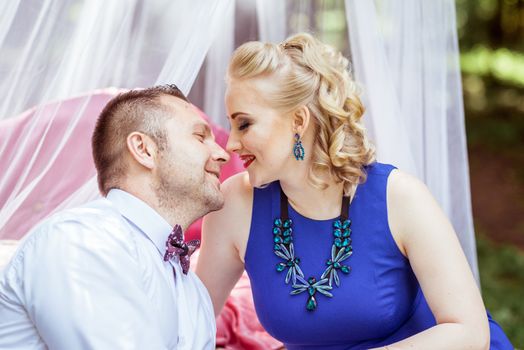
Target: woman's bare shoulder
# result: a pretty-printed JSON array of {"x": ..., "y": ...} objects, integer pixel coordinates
[
  {"x": 403, "y": 186},
  {"x": 238, "y": 196},
  {"x": 230, "y": 225},
  {"x": 237, "y": 190},
  {"x": 407, "y": 198},
  {"x": 237, "y": 184}
]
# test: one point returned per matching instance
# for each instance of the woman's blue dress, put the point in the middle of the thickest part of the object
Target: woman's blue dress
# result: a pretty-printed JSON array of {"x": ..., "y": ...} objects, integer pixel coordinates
[{"x": 378, "y": 303}]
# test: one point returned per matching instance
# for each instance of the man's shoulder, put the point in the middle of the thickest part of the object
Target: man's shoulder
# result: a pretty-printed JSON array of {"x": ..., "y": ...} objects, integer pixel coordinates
[
  {"x": 92, "y": 221},
  {"x": 97, "y": 214},
  {"x": 94, "y": 228}
]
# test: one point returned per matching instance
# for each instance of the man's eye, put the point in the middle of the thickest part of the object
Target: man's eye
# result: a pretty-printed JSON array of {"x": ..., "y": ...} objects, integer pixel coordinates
[{"x": 201, "y": 137}]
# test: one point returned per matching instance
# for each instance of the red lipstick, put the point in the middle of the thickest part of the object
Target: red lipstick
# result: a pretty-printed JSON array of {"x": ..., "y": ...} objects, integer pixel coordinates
[{"x": 247, "y": 159}]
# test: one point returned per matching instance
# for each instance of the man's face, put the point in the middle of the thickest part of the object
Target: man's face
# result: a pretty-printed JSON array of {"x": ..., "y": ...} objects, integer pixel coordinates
[{"x": 187, "y": 172}]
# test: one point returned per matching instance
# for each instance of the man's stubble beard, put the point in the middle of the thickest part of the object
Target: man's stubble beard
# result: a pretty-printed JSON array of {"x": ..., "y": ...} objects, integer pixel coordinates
[{"x": 186, "y": 198}]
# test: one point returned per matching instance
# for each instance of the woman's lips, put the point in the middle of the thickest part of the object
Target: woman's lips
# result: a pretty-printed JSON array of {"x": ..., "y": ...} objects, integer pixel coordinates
[{"x": 247, "y": 160}]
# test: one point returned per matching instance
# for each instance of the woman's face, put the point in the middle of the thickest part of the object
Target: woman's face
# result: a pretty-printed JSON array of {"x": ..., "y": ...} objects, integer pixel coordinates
[{"x": 260, "y": 135}]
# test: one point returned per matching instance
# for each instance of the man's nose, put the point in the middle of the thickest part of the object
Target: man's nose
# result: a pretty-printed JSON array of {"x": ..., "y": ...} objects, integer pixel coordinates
[{"x": 220, "y": 154}]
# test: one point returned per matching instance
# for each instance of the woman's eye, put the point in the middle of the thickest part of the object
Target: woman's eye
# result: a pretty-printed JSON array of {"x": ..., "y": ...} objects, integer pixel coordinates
[{"x": 243, "y": 125}]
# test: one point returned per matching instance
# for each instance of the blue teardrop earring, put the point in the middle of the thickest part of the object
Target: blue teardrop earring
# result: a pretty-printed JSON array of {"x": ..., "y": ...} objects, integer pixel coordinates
[{"x": 298, "y": 149}]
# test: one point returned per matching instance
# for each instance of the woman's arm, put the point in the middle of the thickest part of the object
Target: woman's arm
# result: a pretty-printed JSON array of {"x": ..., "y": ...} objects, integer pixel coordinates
[
  {"x": 426, "y": 237},
  {"x": 224, "y": 236}
]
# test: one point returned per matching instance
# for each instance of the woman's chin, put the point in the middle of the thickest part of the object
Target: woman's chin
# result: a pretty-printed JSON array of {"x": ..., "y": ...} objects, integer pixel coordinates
[
  {"x": 256, "y": 180},
  {"x": 259, "y": 181},
  {"x": 253, "y": 181}
]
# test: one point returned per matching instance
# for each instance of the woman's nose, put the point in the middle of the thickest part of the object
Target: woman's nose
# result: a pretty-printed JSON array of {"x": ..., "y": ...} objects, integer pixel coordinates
[{"x": 233, "y": 144}]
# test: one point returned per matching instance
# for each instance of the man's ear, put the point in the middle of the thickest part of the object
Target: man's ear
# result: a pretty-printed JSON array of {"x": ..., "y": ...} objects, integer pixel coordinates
[
  {"x": 301, "y": 120},
  {"x": 142, "y": 149}
]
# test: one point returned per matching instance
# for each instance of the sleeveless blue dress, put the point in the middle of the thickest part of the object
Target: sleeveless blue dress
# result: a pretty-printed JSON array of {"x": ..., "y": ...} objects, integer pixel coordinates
[{"x": 378, "y": 303}]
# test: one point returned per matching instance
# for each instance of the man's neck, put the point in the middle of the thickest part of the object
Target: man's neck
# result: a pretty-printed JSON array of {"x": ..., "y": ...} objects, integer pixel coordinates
[{"x": 175, "y": 214}]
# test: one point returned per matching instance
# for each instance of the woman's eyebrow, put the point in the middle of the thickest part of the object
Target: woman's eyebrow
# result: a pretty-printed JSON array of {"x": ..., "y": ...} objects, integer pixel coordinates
[{"x": 236, "y": 114}]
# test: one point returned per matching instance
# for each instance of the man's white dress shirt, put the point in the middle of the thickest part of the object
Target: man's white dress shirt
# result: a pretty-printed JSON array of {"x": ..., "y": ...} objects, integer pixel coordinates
[{"x": 94, "y": 278}]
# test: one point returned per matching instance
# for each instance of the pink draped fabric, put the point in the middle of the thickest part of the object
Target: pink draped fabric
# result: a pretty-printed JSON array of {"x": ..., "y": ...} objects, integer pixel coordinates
[
  {"x": 29, "y": 142},
  {"x": 238, "y": 327},
  {"x": 28, "y": 145},
  {"x": 29, "y": 156}
]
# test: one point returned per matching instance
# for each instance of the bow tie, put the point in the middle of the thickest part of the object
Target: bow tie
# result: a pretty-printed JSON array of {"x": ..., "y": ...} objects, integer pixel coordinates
[{"x": 175, "y": 246}]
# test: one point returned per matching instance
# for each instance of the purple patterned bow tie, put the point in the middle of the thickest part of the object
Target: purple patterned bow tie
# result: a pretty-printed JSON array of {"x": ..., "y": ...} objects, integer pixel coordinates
[{"x": 175, "y": 245}]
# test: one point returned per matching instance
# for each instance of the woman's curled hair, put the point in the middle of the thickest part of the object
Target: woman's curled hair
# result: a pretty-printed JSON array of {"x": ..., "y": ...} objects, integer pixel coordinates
[{"x": 311, "y": 73}]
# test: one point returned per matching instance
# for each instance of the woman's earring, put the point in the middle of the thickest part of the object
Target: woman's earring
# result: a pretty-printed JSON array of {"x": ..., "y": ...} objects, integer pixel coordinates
[{"x": 298, "y": 149}]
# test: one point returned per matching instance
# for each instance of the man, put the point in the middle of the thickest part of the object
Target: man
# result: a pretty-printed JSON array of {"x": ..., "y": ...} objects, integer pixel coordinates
[{"x": 113, "y": 274}]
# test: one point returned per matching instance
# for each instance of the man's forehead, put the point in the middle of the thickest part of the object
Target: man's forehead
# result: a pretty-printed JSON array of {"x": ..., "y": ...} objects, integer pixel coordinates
[
  {"x": 174, "y": 102},
  {"x": 180, "y": 108},
  {"x": 186, "y": 114}
]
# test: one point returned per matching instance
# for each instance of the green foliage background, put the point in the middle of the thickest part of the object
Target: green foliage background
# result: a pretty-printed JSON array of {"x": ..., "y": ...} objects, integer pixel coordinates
[{"x": 491, "y": 38}]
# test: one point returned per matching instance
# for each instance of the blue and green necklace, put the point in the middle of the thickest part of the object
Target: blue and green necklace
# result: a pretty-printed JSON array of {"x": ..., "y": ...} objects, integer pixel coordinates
[{"x": 341, "y": 249}]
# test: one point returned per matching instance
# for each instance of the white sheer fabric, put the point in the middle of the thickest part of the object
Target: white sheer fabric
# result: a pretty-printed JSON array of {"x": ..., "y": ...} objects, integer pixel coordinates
[
  {"x": 271, "y": 15},
  {"x": 56, "y": 49},
  {"x": 404, "y": 55},
  {"x": 216, "y": 65}
]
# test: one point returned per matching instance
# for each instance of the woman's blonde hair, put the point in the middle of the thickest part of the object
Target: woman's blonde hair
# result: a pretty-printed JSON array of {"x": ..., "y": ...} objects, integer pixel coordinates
[{"x": 310, "y": 73}]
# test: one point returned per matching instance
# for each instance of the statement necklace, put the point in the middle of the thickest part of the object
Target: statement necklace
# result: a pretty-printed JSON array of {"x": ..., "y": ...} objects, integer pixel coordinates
[{"x": 341, "y": 249}]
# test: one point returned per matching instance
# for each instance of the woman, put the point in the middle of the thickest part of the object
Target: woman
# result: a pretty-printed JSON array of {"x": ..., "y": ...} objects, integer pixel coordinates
[{"x": 342, "y": 252}]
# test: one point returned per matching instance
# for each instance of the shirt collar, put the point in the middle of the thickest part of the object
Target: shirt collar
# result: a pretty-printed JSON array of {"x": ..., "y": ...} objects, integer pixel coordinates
[{"x": 154, "y": 226}]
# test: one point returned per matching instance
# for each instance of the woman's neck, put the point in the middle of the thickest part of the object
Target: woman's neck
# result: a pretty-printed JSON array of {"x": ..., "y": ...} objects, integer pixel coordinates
[{"x": 313, "y": 202}]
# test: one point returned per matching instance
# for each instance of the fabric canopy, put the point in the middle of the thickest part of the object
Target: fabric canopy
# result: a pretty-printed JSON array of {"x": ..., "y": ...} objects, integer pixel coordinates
[
  {"x": 404, "y": 55},
  {"x": 58, "y": 58}
]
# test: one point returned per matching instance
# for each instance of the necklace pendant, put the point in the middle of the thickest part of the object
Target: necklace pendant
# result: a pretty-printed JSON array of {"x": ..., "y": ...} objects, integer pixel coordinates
[
  {"x": 281, "y": 266},
  {"x": 311, "y": 303},
  {"x": 341, "y": 250}
]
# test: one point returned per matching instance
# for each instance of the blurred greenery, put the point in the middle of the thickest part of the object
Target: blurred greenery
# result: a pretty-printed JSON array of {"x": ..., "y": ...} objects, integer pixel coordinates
[
  {"x": 505, "y": 65},
  {"x": 502, "y": 277},
  {"x": 491, "y": 40}
]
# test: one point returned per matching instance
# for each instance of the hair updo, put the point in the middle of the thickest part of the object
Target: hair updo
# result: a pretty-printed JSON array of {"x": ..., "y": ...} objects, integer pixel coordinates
[{"x": 307, "y": 72}]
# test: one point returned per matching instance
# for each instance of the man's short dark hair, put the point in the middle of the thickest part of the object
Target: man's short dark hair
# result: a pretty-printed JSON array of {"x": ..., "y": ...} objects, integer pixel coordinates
[{"x": 135, "y": 110}]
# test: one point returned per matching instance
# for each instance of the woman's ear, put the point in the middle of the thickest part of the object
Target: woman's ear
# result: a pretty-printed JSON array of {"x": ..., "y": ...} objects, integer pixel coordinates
[
  {"x": 142, "y": 149},
  {"x": 301, "y": 119}
]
